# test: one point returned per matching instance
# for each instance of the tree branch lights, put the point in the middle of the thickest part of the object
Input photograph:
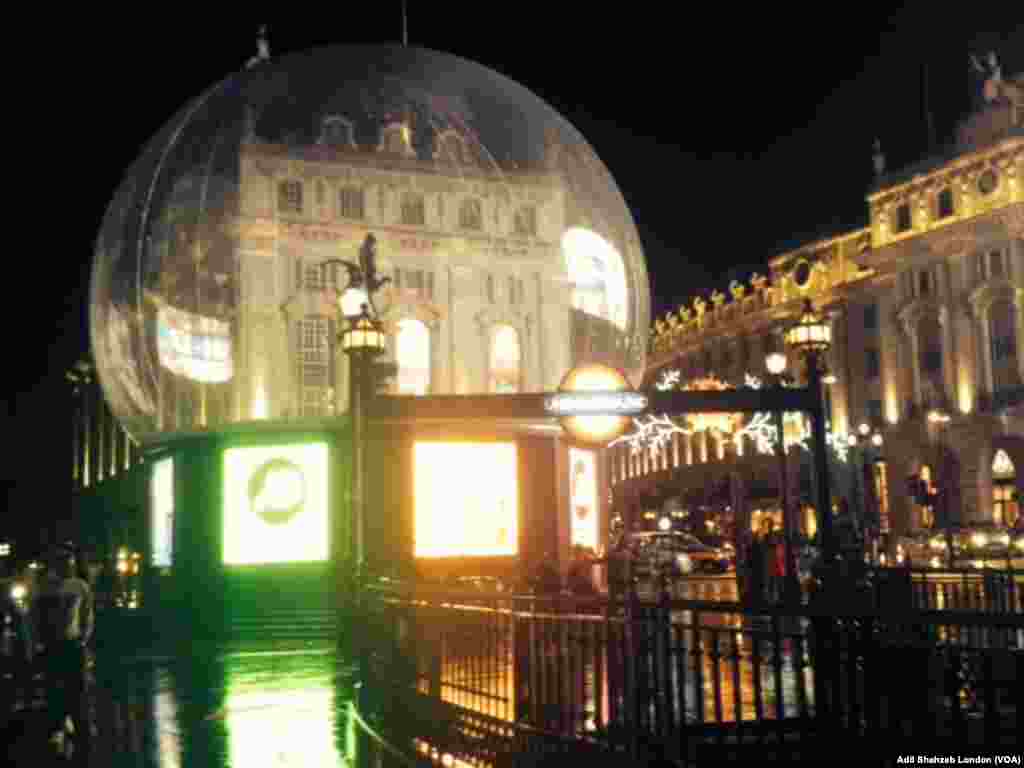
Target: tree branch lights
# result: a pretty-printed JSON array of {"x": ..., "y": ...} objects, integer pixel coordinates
[{"x": 655, "y": 432}]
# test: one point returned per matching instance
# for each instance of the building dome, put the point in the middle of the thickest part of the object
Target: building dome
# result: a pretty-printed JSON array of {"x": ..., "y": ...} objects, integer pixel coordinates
[{"x": 511, "y": 252}]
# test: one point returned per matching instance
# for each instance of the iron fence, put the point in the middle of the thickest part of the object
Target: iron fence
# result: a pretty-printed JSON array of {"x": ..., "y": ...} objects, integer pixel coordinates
[{"x": 665, "y": 676}]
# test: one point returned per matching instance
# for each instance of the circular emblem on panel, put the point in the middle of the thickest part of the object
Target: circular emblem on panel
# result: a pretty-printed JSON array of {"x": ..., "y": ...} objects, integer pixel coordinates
[
  {"x": 987, "y": 182},
  {"x": 277, "y": 491}
]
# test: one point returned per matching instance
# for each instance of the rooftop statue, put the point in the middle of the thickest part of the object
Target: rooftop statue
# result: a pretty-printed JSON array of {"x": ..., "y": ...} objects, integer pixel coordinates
[
  {"x": 737, "y": 289},
  {"x": 262, "y": 49},
  {"x": 995, "y": 88}
]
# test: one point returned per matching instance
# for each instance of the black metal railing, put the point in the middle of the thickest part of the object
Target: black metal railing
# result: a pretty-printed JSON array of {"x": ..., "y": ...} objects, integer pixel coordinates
[{"x": 664, "y": 677}]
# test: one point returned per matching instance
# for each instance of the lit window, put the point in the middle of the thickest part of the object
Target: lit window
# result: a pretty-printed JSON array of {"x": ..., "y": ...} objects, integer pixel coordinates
[
  {"x": 412, "y": 353},
  {"x": 351, "y": 203},
  {"x": 881, "y": 472},
  {"x": 1004, "y": 486},
  {"x": 289, "y": 197},
  {"x": 504, "y": 360}
]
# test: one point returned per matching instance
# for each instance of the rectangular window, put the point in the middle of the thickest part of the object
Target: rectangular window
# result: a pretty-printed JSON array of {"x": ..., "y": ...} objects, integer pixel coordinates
[
  {"x": 995, "y": 260},
  {"x": 413, "y": 214},
  {"x": 981, "y": 266},
  {"x": 314, "y": 366},
  {"x": 873, "y": 364},
  {"x": 526, "y": 221},
  {"x": 924, "y": 283},
  {"x": 945, "y": 204},
  {"x": 490, "y": 288},
  {"x": 874, "y": 412},
  {"x": 289, "y": 197},
  {"x": 398, "y": 279},
  {"x": 471, "y": 215},
  {"x": 903, "y": 221},
  {"x": 932, "y": 357},
  {"x": 351, "y": 203},
  {"x": 430, "y": 286},
  {"x": 871, "y": 317},
  {"x": 512, "y": 290}
]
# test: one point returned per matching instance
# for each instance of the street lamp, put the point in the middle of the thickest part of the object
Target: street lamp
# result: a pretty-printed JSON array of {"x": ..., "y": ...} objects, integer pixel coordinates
[
  {"x": 775, "y": 363},
  {"x": 362, "y": 338},
  {"x": 811, "y": 336}
]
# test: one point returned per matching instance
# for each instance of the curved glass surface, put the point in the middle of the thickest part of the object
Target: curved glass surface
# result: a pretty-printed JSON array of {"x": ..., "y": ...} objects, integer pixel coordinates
[{"x": 211, "y": 304}]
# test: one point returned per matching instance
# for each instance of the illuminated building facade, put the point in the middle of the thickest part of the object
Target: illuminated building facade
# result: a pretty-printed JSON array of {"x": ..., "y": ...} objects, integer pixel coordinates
[{"x": 927, "y": 312}]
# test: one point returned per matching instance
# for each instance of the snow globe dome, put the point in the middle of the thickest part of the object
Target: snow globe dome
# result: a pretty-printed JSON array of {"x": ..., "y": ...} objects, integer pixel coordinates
[{"x": 511, "y": 253}]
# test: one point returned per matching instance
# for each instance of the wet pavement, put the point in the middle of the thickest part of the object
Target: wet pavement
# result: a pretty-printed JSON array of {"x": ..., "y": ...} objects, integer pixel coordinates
[{"x": 257, "y": 709}]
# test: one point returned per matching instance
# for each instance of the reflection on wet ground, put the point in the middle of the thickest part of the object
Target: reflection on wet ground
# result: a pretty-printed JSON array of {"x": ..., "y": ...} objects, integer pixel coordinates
[{"x": 252, "y": 709}]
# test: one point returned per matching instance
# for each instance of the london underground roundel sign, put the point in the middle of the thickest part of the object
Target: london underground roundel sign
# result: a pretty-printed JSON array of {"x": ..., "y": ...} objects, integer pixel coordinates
[{"x": 595, "y": 404}]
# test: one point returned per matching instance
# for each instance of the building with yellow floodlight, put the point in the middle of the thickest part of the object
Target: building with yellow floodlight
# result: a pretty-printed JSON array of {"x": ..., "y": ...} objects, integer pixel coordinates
[{"x": 927, "y": 364}]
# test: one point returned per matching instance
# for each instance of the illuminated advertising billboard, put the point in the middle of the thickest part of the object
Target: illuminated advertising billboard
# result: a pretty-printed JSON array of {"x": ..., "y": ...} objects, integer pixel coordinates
[
  {"x": 583, "y": 498},
  {"x": 467, "y": 499},
  {"x": 193, "y": 346},
  {"x": 161, "y": 505},
  {"x": 275, "y": 504}
]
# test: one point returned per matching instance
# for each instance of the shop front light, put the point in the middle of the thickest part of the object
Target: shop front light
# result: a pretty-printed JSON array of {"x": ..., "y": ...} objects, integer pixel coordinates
[
  {"x": 979, "y": 540},
  {"x": 936, "y": 562},
  {"x": 938, "y": 543}
]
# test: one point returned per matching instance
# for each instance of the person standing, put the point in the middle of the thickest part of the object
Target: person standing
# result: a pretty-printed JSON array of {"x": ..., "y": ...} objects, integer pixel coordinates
[{"x": 63, "y": 619}]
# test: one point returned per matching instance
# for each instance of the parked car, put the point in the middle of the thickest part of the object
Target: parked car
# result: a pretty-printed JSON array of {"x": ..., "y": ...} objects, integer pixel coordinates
[{"x": 677, "y": 553}]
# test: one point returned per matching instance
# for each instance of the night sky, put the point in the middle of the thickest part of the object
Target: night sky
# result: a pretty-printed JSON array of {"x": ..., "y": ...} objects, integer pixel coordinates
[{"x": 732, "y": 136}]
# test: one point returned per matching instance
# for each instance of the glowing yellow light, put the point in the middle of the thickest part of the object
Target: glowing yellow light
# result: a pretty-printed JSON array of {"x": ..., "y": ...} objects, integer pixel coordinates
[
  {"x": 938, "y": 543},
  {"x": 1019, "y": 544},
  {"x": 882, "y": 558},
  {"x": 722, "y": 423},
  {"x": 466, "y": 502},
  {"x": 978, "y": 563},
  {"x": 936, "y": 563},
  {"x": 664, "y": 524},
  {"x": 259, "y": 400},
  {"x": 979, "y": 539},
  {"x": 19, "y": 592},
  {"x": 122, "y": 566},
  {"x": 595, "y": 429}
]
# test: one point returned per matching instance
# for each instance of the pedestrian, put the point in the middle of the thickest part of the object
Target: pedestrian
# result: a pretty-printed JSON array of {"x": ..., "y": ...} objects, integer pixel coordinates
[
  {"x": 778, "y": 565},
  {"x": 62, "y": 612},
  {"x": 756, "y": 569}
]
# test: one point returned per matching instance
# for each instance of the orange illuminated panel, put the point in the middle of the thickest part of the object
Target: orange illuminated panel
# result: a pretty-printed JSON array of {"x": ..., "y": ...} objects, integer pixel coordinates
[
  {"x": 583, "y": 498},
  {"x": 466, "y": 502}
]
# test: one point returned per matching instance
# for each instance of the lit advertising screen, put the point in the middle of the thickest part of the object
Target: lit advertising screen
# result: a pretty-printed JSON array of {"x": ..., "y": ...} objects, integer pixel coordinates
[
  {"x": 583, "y": 498},
  {"x": 275, "y": 504},
  {"x": 466, "y": 502},
  {"x": 193, "y": 346},
  {"x": 161, "y": 505}
]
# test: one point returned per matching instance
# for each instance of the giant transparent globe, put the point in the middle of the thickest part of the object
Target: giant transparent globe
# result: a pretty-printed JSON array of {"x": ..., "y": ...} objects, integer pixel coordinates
[{"x": 216, "y": 285}]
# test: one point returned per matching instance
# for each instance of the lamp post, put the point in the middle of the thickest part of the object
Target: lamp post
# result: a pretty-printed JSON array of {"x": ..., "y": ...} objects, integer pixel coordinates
[
  {"x": 362, "y": 338},
  {"x": 811, "y": 336},
  {"x": 865, "y": 452},
  {"x": 776, "y": 365}
]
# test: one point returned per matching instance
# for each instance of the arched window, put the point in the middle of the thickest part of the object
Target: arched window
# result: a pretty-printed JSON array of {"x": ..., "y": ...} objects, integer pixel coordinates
[
  {"x": 412, "y": 352},
  {"x": 504, "y": 359},
  {"x": 1004, "y": 486},
  {"x": 1003, "y": 332}
]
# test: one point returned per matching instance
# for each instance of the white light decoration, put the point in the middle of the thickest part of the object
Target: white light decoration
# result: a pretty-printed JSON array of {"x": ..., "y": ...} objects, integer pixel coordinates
[{"x": 656, "y": 430}]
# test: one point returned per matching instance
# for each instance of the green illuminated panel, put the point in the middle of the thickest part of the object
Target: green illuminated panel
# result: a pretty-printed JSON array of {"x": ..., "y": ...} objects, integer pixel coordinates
[
  {"x": 161, "y": 505},
  {"x": 275, "y": 504}
]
